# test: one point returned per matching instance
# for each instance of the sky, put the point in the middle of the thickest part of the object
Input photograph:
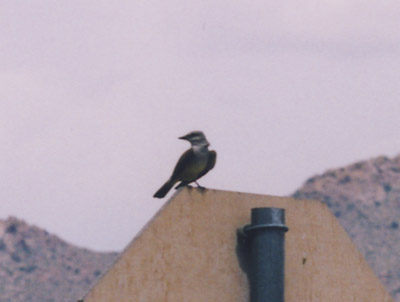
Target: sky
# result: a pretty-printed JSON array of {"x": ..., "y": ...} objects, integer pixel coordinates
[{"x": 94, "y": 94}]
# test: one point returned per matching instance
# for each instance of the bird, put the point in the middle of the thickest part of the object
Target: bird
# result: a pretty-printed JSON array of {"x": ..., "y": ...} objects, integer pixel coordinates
[{"x": 193, "y": 163}]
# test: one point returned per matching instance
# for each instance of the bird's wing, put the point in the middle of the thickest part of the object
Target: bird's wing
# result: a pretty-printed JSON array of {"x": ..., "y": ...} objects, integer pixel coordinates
[
  {"x": 184, "y": 160},
  {"x": 212, "y": 158}
]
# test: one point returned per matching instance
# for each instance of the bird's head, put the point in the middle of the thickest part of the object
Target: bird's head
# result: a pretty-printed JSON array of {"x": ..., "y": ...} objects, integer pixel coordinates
[{"x": 196, "y": 138}]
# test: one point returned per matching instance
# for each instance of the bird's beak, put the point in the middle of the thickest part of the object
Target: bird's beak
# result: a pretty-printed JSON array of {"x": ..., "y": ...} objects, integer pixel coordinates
[{"x": 183, "y": 137}]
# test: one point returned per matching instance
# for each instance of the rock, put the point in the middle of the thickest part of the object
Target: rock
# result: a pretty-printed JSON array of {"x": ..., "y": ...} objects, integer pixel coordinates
[
  {"x": 36, "y": 266},
  {"x": 365, "y": 197}
]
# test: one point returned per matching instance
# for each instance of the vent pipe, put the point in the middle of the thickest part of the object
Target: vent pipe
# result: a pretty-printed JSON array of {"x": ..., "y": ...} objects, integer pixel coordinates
[{"x": 261, "y": 253}]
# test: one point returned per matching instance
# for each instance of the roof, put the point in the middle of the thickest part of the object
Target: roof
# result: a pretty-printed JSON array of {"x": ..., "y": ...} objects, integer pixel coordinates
[{"x": 187, "y": 253}]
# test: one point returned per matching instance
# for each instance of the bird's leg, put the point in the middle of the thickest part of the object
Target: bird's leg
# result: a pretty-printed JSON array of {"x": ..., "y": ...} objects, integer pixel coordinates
[
  {"x": 183, "y": 184},
  {"x": 200, "y": 187}
]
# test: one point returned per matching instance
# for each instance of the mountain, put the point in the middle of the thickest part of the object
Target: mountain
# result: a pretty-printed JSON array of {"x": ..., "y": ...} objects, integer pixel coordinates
[
  {"x": 36, "y": 266},
  {"x": 365, "y": 197}
]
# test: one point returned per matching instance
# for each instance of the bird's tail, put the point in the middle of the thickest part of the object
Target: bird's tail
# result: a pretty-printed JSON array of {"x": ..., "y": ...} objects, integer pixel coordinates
[{"x": 164, "y": 189}]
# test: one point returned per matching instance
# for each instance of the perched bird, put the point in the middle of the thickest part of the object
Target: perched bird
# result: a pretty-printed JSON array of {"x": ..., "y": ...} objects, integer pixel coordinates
[{"x": 193, "y": 164}]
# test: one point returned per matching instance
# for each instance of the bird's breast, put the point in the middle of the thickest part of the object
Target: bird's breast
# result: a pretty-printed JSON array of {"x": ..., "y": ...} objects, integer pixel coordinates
[{"x": 196, "y": 166}]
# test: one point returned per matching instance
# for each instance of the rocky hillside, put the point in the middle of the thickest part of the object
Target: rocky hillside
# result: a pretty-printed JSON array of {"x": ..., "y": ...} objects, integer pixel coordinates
[
  {"x": 36, "y": 266},
  {"x": 365, "y": 197}
]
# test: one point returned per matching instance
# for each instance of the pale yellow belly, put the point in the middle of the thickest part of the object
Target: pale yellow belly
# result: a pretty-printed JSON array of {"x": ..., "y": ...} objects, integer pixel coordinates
[{"x": 193, "y": 170}]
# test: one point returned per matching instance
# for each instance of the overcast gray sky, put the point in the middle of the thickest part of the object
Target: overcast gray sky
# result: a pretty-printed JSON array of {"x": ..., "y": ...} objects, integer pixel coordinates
[{"x": 93, "y": 95}]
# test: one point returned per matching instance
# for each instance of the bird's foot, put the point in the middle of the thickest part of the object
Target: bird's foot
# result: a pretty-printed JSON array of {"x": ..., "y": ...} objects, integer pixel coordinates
[{"x": 199, "y": 187}]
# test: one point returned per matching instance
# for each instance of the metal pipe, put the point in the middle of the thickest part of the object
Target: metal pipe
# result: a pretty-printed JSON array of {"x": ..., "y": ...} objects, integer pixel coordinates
[{"x": 261, "y": 254}]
